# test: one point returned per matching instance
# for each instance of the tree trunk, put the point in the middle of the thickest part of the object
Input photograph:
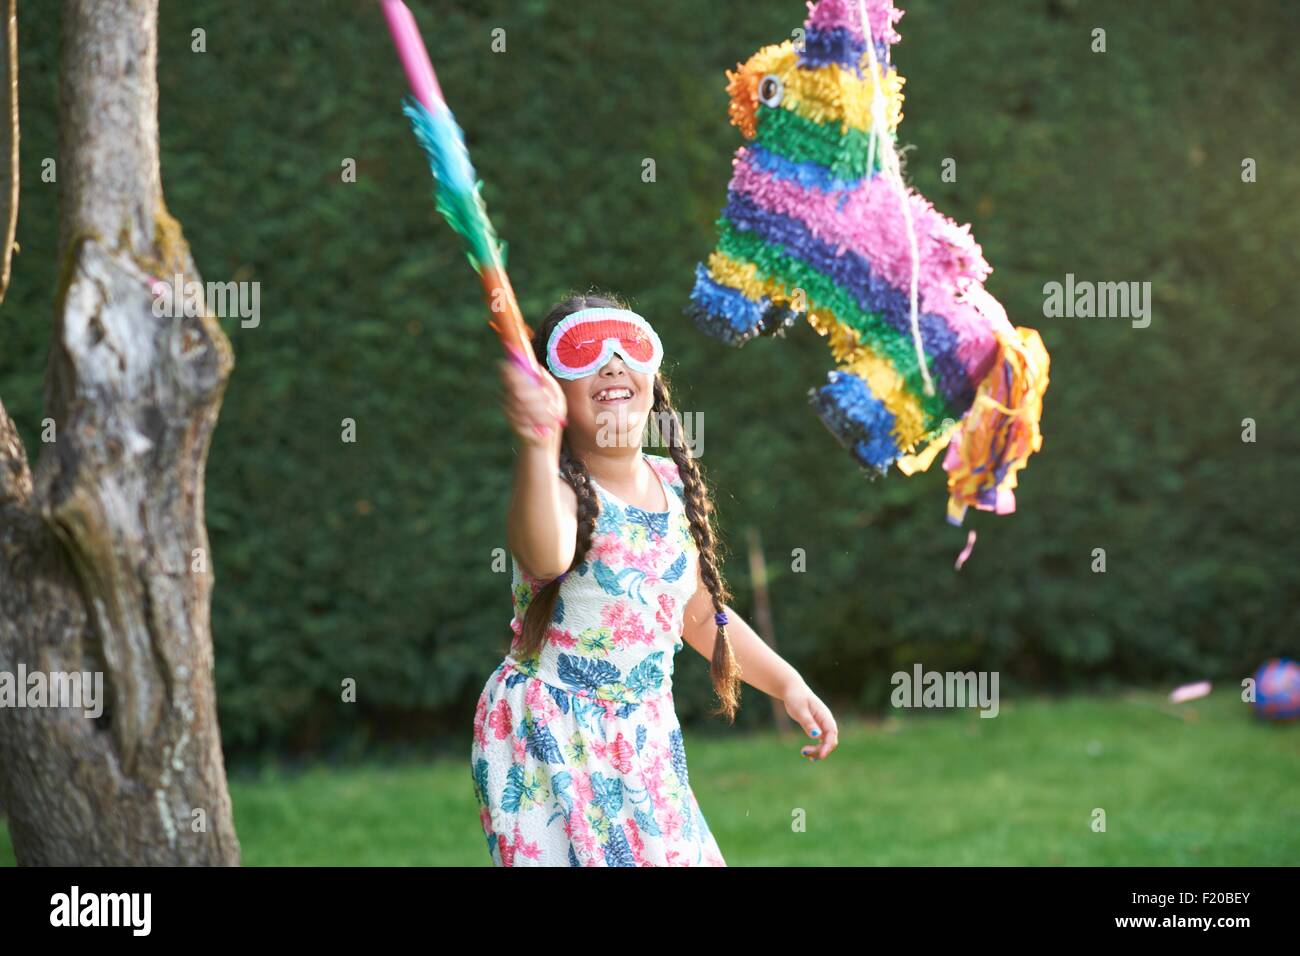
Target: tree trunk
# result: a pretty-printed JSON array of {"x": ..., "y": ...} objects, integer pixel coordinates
[
  {"x": 104, "y": 561},
  {"x": 8, "y": 142}
]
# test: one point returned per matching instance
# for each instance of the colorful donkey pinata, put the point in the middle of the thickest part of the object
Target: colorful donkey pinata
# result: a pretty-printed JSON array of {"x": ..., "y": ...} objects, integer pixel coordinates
[{"x": 818, "y": 222}]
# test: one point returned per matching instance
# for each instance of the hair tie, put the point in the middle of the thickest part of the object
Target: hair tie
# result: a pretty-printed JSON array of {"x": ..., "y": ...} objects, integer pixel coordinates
[
  {"x": 562, "y": 576},
  {"x": 720, "y": 618}
]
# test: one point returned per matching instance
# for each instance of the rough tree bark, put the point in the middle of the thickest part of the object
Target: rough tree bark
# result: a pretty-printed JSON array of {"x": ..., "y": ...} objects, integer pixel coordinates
[{"x": 103, "y": 550}]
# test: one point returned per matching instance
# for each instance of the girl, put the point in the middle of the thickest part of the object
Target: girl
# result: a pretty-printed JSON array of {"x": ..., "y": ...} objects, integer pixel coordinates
[{"x": 577, "y": 757}]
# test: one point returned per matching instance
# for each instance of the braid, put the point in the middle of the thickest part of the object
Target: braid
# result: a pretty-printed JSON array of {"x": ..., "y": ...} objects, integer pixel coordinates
[
  {"x": 537, "y": 618},
  {"x": 723, "y": 667}
]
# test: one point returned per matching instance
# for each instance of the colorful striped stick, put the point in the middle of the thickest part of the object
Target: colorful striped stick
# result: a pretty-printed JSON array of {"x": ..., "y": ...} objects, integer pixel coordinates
[{"x": 458, "y": 187}]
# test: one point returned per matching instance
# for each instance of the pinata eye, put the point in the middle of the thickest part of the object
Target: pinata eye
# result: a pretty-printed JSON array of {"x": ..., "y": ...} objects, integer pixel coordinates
[{"x": 770, "y": 89}]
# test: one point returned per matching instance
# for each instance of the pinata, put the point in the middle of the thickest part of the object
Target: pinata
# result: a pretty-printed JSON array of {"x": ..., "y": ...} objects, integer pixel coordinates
[{"x": 819, "y": 223}]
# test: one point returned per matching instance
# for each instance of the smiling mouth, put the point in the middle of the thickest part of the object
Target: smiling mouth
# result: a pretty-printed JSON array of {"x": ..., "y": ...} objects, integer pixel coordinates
[{"x": 614, "y": 395}]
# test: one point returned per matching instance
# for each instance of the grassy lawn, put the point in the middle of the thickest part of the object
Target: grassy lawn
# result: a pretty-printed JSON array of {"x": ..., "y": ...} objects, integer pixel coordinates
[{"x": 1203, "y": 784}]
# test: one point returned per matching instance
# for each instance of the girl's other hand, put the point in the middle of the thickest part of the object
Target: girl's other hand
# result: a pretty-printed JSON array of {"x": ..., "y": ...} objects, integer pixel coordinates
[
  {"x": 531, "y": 406},
  {"x": 808, "y": 711}
]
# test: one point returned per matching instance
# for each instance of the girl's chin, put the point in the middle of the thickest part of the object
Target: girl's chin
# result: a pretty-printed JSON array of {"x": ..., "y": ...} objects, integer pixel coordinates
[
  {"x": 618, "y": 425},
  {"x": 618, "y": 416},
  {"x": 618, "y": 435}
]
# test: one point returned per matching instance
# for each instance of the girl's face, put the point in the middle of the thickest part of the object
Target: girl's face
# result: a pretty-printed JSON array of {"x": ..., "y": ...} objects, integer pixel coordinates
[{"x": 611, "y": 407}]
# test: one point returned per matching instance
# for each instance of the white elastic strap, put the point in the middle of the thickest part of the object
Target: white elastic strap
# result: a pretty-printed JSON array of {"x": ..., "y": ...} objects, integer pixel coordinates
[{"x": 889, "y": 163}]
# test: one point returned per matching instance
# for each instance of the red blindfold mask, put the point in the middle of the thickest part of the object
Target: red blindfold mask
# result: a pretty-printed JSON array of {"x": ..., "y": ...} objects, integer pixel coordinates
[{"x": 581, "y": 343}]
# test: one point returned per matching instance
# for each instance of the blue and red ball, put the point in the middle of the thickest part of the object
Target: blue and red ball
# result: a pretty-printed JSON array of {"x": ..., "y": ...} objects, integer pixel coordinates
[{"x": 1277, "y": 689}]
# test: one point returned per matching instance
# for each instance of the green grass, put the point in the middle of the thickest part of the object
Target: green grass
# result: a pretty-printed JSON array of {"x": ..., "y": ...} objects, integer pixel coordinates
[{"x": 1200, "y": 784}]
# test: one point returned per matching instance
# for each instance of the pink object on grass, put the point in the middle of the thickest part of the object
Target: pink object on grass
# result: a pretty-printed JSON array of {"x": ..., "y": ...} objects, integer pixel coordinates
[{"x": 1190, "y": 692}]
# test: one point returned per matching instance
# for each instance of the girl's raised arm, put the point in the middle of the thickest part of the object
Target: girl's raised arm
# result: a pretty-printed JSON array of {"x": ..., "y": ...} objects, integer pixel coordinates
[{"x": 542, "y": 524}]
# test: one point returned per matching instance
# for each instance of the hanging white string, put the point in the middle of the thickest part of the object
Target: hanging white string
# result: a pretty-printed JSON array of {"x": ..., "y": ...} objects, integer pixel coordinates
[{"x": 890, "y": 167}]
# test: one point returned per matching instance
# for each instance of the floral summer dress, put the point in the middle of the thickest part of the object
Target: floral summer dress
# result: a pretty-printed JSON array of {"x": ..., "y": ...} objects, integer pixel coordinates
[{"x": 578, "y": 757}]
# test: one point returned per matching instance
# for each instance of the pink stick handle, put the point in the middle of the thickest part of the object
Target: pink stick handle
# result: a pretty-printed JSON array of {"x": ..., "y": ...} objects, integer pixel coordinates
[{"x": 410, "y": 50}]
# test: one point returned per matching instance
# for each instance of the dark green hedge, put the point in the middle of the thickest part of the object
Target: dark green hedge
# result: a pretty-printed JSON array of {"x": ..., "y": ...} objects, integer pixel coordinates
[{"x": 373, "y": 560}]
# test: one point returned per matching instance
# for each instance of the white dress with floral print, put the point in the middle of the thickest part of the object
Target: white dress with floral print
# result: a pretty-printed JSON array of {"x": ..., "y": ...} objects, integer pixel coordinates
[{"x": 578, "y": 757}]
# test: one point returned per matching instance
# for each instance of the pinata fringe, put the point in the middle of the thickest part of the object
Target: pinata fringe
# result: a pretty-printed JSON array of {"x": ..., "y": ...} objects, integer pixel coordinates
[
  {"x": 830, "y": 94},
  {"x": 733, "y": 302},
  {"x": 884, "y": 380},
  {"x": 1001, "y": 430}
]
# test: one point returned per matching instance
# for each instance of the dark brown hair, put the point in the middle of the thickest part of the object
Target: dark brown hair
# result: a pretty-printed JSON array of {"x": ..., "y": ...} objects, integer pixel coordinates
[{"x": 699, "y": 509}]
